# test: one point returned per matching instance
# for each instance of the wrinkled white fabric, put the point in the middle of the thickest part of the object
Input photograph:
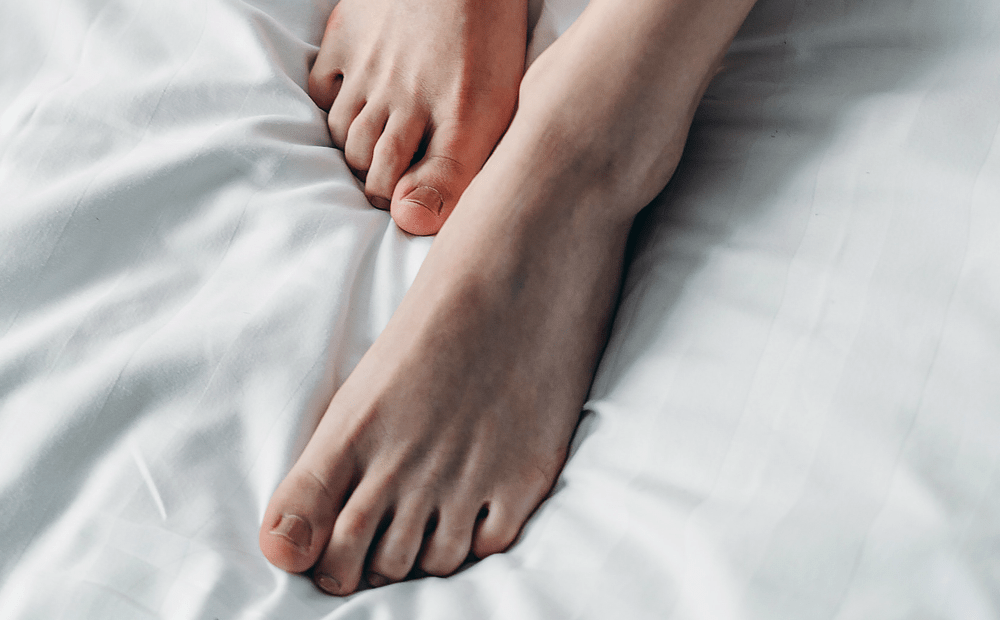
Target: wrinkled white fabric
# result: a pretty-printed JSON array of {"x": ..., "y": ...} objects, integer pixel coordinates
[{"x": 798, "y": 415}]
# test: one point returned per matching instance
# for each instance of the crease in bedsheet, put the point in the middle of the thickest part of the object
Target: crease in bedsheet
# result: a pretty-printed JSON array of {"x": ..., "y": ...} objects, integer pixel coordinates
[
  {"x": 90, "y": 422},
  {"x": 934, "y": 357},
  {"x": 91, "y": 46},
  {"x": 84, "y": 194},
  {"x": 356, "y": 275},
  {"x": 205, "y": 277},
  {"x": 147, "y": 477},
  {"x": 9, "y": 116},
  {"x": 908, "y": 415}
]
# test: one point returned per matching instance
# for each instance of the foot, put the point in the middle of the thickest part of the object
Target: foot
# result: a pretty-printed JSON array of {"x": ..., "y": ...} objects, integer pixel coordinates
[
  {"x": 418, "y": 93},
  {"x": 456, "y": 422}
]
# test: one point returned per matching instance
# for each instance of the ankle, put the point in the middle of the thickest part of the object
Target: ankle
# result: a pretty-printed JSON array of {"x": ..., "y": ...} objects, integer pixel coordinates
[{"x": 592, "y": 169}]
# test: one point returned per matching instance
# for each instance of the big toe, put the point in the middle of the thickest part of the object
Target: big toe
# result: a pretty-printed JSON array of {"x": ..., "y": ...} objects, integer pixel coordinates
[
  {"x": 428, "y": 192},
  {"x": 297, "y": 522}
]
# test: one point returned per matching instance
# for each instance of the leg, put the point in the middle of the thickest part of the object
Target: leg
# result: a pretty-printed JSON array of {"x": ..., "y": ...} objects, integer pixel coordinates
[
  {"x": 419, "y": 92},
  {"x": 456, "y": 422}
]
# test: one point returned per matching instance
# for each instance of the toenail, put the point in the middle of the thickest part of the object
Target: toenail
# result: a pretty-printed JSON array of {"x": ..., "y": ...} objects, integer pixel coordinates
[
  {"x": 379, "y": 203},
  {"x": 428, "y": 198},
  {"x": 295, "y": 530},
  {"x": 377, "y": 581},
  {"x": 328, "y": 584}
]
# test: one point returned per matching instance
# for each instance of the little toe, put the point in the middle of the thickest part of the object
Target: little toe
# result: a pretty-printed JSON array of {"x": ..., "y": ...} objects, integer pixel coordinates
[
  {"x": 339, "y": 569},
  {"x": 398, "y": 548},
  {"x": 448, "y": 546},
  {"x": 324, "y": 86},
  {"x": 298, "y": 521},
  {"x": 364, "y": 132},
  {"x": 326, "y": 74},
  {"x": 392, "y": 155}
]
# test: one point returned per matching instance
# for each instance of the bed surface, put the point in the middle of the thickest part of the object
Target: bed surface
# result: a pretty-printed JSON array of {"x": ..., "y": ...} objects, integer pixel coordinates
[{"x": 798, "y": 414}]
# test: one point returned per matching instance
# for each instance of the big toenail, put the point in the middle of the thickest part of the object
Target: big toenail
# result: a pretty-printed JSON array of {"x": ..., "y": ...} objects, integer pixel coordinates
[
  {"x": 295, "y": 529},
  {"x": 428, "y": 198},
  {"x": 328, "y": 584},
  {"x": 379, "y": 203},
  {"x": 377, "y": 581}
]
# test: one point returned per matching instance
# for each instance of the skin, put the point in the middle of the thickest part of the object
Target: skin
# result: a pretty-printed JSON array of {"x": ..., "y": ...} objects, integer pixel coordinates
[{"x": 456, "y": 423}]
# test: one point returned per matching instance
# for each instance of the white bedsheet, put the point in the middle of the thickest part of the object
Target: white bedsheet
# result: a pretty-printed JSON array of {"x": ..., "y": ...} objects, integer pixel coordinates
[{"x": 798, "y": 415}]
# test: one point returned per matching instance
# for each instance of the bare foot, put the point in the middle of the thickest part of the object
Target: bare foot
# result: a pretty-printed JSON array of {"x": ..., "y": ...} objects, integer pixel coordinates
[
  {"x": 456, "y": 422},
  {"x": 419, "y": 92}
]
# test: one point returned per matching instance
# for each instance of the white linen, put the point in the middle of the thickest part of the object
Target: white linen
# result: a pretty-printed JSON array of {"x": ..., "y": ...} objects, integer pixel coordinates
[{"x": 798, "y": 415}]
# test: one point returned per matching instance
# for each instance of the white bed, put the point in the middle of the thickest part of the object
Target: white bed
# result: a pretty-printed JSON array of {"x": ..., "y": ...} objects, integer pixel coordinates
[{"x": 798, "y": 415}]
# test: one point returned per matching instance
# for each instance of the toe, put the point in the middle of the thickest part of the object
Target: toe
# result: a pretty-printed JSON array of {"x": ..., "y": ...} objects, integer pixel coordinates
[
  {"x": 427, "y": 193},
  {"x": 298, "y": 521},
  {"x": 497, "y": 531},
  {"x": 392, "y": 155},
  {"x": 324, "y": 87},
  {"x": 338, "y": 571},
  {"x": 364, "y": 132},
  {"x": 326, "y": 74},
  {"x": 398, "y": 548},
  {"x": 345, "y": 108},
  {"x": 448, "y": 546}
]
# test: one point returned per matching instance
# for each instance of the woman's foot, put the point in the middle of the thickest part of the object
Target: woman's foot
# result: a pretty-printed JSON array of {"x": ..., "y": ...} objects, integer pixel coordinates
[
  {"x": 419, "y": 92},
  {"x": 456, "y": 422}
]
